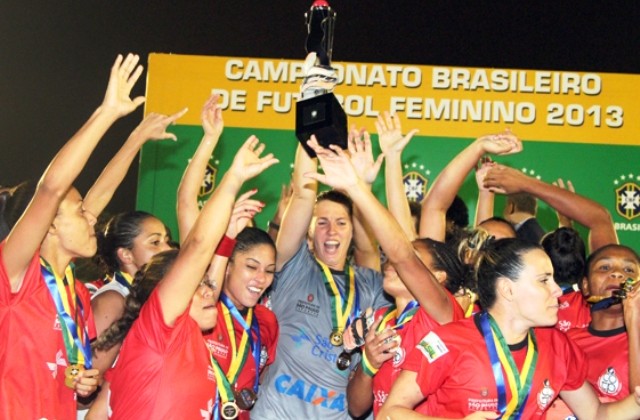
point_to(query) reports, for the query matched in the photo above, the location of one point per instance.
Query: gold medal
(229, 410)
(336, 338)
(70, 373)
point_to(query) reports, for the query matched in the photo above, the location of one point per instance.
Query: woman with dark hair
(531, 365)
(126, 243)
(516, 288)
(611, 341)
(165, 368)
(45, 316)
(245, 337)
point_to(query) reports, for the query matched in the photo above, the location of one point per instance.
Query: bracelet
(273, 225)
(367, 367)
(226, 246)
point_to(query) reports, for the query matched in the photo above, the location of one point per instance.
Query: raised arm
(297, 217)
(392, 143)
(187, 210)
(340, 174)
(177, 288)
(26, 236)
(486, 197)
(153, 127)
(444, 189)
(506, 180)
(366, 252)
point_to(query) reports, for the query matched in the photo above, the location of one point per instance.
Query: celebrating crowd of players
(345, 309)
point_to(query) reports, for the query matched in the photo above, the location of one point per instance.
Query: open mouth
(331, 246)
(255, 290)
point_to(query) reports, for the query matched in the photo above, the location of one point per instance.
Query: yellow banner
(440, 101)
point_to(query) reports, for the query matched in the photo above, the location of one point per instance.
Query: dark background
(55, 55)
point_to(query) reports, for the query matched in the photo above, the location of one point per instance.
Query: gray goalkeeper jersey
(304, 381)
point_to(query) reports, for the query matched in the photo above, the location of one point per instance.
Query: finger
(388, 120)
(135, 76)
(396, 122)
(378, 163)
(250, 143)
(570, 186)
(315, 176)
(406, 139)
(258, 151)
(178, 114)
(246, 195)
(138, 101)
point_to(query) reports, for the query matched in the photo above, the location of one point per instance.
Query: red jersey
(608, 370)
(220, 346)
(456, 377)
(162, 372)
(573, 312)
(410, 334)
(33, 357)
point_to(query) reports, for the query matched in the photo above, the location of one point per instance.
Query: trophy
(318, 112)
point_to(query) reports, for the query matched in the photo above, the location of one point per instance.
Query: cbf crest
(628, 197)
(415, 181)
(208, 182)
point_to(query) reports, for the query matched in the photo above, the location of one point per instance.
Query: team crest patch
(209, 180)
(432, 347)
(627, 197)
(545, 396)
(415, 181)
(608, 382)
(398, 358)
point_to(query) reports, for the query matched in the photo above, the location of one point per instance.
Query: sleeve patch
(432, 347)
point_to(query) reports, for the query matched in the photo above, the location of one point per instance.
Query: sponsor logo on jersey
(608, 382)
(217, 348)
(60, 361)
(310, 393)
(307, 308)
(264, 356)
(432, 347)
(627, 193)
(482, 404)
(545, 396)
(56, 324)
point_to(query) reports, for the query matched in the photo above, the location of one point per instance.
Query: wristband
(367, 367)
(273, 225)
(226, 246)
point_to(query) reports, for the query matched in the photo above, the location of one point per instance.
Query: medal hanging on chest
(244, 398)
(342, 308)
(70, 312)
(519, 382)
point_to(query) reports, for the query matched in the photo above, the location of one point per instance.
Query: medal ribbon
(389, 314)
(341, 308)
(123, 278)
(241, 352)
(74, 331)
(500, 356)
(407, 314)
(224, 392)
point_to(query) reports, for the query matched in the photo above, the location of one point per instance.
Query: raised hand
(362, 155)
(505, 180)
(211, 116)
(390, 134)
(124, 74)
(247, 163)
(154, 126)
(338, 171)
(244, 209)
(481, 171)
(504, 143)
(380, 346)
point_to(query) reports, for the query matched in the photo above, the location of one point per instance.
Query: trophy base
(324, 117)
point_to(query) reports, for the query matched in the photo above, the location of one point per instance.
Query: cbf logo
(208, 182)
(628, 196)
(415, 181)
